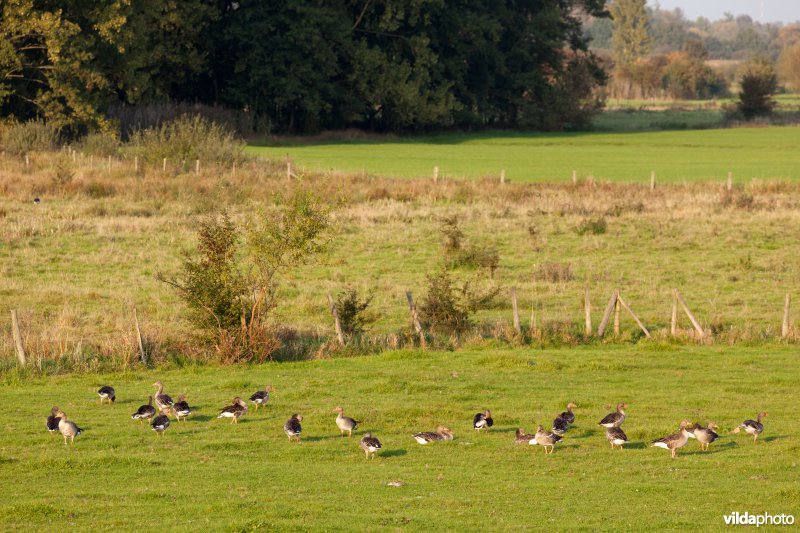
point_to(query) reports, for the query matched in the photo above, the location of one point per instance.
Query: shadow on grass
(772, 438)
(393, 453)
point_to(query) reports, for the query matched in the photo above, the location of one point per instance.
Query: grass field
(209, 474)
(676, 156)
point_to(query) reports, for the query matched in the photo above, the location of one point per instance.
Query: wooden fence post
(514, 307)
(785, 325)
(109, 163)
(288, 168)
(694, 321)
(164, 165)
(587, 312)
(652, 180)
(574, 177)
(601, 329)
(635, 318)
(136, 163)
(18, 338)
(415, 319)
(337, 324)
(673, 324)
(730, 180)
(616, 317)
(27, 162)
(197, 166)
(435, 174)
(139, 338)
(502, 177)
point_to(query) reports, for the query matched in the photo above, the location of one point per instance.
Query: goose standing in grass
(615, 419)
(752, 427)
(524, 438)
(676, 440)
(345, 423)
(181, 409)
(442, 433)
(370, 445)
(162, 400)
(546, 439)
(568, 415)
(67, 428)
(161, 422)
(704, 435)
(261, 397)
(234, 411)
(107, 393)
(616, 437)
(53, 419)
(483, 420)
(145, 412)
(292, 427)
(560, 425)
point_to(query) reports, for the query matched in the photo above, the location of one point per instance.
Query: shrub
(98, 190)
(451, 231)
(186, 139)
(595, 226)
(554, 272)
(471, 256)
(100, 144)
(758, 84)
(352, 311)
(448, 308)
(32, 136)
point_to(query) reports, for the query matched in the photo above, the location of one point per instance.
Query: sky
(760, 10)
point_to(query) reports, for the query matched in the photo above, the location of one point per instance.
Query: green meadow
(675, 156)
(209, 474)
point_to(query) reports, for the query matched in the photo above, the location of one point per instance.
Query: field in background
(209, 474)
(675, 156)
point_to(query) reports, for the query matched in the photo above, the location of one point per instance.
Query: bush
(758, 84)
(554, 272)
(99, 144)
(471, 256)
(32, 136)
(186, 139)
(447, 308)
(352, 311)
(595, 226)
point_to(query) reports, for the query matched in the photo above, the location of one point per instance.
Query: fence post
(607, 315)
(785, 325)
(136, 164)
(139, 337)
(27, 162)
(574, 177)
(616, 317)
(337, 324)
(652, 180)
(587, 312)
(415, 319)
(435, 174)
(673, 324)
(197, 166)
(694, 321)
(636, 318)
(517, 326)
(730, 180)
(502, 177)
(18, 338)
(164, 165)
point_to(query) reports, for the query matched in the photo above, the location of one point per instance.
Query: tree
(631, 40)
(789, 66)
(757, 85)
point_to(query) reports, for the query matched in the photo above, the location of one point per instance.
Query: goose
(66, 427)
(704, 435)
(442, 433)
(261, 397)
(614, 420)
(674, 441)
(545, 439)
(345, 423)
(292, 427)
(370, 445)
(234, 411)
(161, 422)
(145, 412)
(483, 420)
(524, 438)
(162, 400)
(616, 437)
(53, 419)
(107, 393)
(560, 425)
(752, 427)
(568, 415)
(181, 409)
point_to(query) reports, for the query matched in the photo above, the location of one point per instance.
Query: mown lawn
(676, 156)
(209, 474)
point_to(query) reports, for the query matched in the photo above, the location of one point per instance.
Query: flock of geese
(159, 417)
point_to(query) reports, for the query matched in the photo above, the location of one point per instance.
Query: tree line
(304, 65)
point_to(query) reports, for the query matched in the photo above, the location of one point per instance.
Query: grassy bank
(209, 474)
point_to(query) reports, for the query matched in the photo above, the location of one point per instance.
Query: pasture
(675, 156)
(208, 474)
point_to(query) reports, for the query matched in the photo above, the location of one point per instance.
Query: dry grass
(78, 262)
